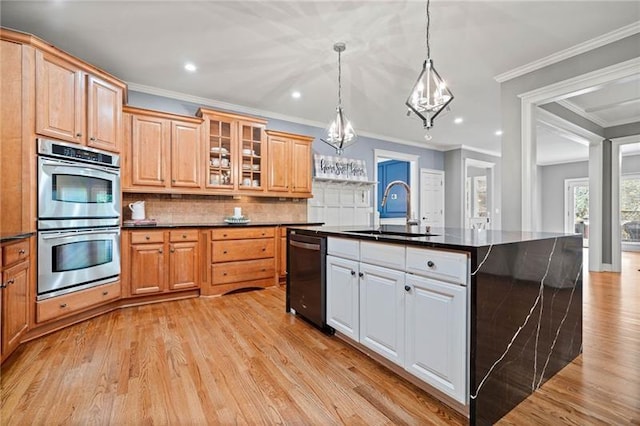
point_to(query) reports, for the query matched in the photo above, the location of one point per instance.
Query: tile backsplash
(213, 208)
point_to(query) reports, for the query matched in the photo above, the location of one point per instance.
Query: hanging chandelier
(430, 95)
(340, 133)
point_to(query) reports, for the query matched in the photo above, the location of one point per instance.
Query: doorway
(381, 156)
(576, 207)
(478, 194)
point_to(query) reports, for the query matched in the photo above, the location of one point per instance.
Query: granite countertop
(218, 224)
(454, 238)
(10, 236)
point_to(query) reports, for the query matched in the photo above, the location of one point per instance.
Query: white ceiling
(255, 53)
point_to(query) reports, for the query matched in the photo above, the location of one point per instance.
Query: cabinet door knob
(353, 273)
(160, 251)
(407, 288)
(264, 249)
(224, 274)
(184, 235)
(173, 181)
(147, 237)
(361, 274)
(430, 264)
(63, 305)
(173, 250)
(78, 135)
(92, 138)
(21, 251)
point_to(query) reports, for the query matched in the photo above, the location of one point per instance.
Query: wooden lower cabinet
(161, 261)
(14, 302)
(240, 258)
(62, 306)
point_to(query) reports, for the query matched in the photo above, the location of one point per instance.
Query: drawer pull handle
(184, 235)
(21, 251)
(63, 305)
(224, 274)
(430, 264)
(264, 269)
(407, 288)
(146, 237)
(264, 249)
(224, 252)
(224, 235)
(353, 273)
(104, 293)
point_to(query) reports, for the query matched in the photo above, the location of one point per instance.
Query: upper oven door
(76, 190)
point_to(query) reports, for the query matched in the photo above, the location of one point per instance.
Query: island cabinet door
(382, 311)
(342, 296)
(436, 319)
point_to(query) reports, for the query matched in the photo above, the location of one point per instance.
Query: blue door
(396, 205)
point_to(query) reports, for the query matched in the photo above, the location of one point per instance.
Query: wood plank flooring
(240, 359)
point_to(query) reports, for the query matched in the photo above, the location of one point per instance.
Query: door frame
(441, 174)
(568, 199)
(472, 162)
(413, 161)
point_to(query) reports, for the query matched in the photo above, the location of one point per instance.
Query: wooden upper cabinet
(186, 143)
(289, 166)
(235, 151)
(149, 139)
(162, 151)
(59, 98)
(104, 114)
(301, 166)
(278, 177)
(76, 106)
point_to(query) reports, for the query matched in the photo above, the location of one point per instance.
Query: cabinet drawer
(75, 302)
(228, 251)
(439, 264)
(16, 252)
(147, 237)
(239, 234)
(183, 235)
(343, 247)
(248, 270)
(388, 255)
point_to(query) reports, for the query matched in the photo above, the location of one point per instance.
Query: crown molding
(202, 101)
(472, 149)
(578, 49)
(582, 113)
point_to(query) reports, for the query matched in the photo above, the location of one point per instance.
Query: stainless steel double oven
(79, 208)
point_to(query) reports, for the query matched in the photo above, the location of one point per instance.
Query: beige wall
(212, 208)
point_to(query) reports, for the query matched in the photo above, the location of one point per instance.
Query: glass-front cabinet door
(252, 145)
(221, 152)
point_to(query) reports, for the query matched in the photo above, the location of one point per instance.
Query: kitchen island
(523, 305)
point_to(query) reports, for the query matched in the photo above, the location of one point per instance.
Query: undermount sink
(395, 233)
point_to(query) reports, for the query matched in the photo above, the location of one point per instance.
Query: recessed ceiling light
(296, 95)
(458, 120)
(190, 67)
(498, 132)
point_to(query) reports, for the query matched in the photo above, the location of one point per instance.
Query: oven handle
(74, 234)
(79, 166)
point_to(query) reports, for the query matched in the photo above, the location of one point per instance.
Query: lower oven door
(72, 260)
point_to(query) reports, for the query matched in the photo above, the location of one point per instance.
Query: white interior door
(432, 198)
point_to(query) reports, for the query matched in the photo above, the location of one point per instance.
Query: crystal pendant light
(430, 95)
(340, 133)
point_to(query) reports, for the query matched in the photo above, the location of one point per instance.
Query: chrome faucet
(410, 221)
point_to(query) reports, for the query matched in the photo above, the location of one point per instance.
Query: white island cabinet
(408, 304)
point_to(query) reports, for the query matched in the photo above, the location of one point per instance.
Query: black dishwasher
(306, 278)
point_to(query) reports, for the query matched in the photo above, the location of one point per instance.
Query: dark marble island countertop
(12, 236)
(524, 306)
(451, 238)
(217, 224)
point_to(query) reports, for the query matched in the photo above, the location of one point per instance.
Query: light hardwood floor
(241, 359)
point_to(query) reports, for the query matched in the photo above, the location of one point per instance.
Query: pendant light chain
(428, 22)
(339, 79)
